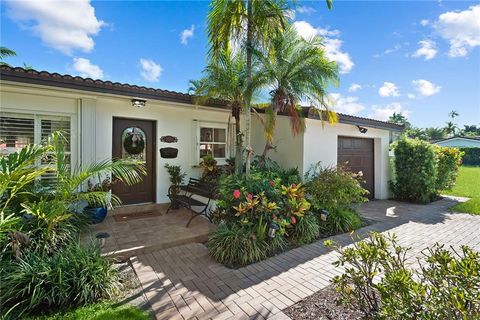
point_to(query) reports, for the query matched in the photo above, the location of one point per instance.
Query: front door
(135, 139)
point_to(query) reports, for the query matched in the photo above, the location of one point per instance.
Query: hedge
(472, 156)
(423, 170)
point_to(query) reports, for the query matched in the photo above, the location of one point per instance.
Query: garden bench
(195, 187)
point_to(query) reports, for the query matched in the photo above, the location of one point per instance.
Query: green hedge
(472, 156)
(416, 171)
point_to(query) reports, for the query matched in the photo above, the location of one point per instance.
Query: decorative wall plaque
(169, 139)
(168, 153)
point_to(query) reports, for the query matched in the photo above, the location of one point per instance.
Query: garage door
(357, 155)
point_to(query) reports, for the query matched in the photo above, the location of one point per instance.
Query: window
(212, 139)
(18, 130)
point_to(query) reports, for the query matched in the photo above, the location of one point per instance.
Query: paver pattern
(185, 283)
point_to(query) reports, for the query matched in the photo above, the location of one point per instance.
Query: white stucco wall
(459, 142)
(319, 143)
(289, 151)
(92, 121)
(171, 119)
(42, 102)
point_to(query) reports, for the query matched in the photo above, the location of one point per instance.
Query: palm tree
(452, 114)
(225, 78)
(248, 22)
(450, 128)
(435, 133)
(296, 70)
(5, 52)
(399, 118)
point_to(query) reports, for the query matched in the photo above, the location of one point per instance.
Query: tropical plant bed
(324, 304)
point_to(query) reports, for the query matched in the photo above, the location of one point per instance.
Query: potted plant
(96, 213)
(176, 180)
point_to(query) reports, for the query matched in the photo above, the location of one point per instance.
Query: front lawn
(100, 311)
(467, 185)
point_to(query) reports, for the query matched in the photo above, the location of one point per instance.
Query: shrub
(445, 286)
(306, 230)
(333, 187)
(415, 171)
(235, 245)
(76, 275)
(448, 161)
(471, 156)
(340, 221)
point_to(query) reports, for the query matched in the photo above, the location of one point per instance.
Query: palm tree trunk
(238, 146)
(248, 116)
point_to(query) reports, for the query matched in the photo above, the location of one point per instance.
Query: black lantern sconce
(272, 229)
(139, 102)
(324, 215)
(362, 129)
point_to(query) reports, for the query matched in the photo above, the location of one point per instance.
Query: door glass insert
(133, 144)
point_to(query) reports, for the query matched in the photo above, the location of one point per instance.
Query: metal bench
(195, 187)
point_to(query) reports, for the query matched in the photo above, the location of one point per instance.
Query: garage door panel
(357, 155)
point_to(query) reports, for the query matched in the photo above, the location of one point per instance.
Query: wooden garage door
(357, 155)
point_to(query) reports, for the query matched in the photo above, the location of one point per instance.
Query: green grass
(468, 185)
(100, 311)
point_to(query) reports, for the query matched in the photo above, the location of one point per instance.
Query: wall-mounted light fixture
(139, 102)
(362, 129)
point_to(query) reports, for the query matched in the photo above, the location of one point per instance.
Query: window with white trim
(18, 130)
(212, 138)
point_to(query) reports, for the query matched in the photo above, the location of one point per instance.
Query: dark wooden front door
(357, 154)
(133, 138)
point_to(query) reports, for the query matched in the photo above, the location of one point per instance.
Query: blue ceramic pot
(96, 215)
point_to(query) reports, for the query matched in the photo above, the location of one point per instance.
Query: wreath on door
(134, 143)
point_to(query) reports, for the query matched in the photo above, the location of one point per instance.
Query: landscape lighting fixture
(362, 129)
(139, 102)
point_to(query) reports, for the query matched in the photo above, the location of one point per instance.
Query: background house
(459, 142)
(98, 116)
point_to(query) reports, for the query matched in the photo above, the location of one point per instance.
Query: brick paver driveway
(185, 283)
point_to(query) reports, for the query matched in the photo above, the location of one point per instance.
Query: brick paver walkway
(185, 283)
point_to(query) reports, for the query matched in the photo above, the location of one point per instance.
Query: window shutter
(16, 131)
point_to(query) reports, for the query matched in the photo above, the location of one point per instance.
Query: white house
(100, 116)
(459, 142)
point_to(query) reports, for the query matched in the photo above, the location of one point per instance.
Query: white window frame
(213, 125)
(37, 122)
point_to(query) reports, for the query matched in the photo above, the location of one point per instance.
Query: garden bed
(323, 304)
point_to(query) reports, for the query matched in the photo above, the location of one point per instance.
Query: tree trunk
(248, 115)
(238, 147)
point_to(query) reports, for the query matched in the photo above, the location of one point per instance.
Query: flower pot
(96, 215)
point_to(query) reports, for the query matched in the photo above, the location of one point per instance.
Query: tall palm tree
(225, 78)
(399, 118)
(450, 128)
(296, 70)
(5, 52)
(248, 23)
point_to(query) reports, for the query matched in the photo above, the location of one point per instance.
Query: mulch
(323, 305)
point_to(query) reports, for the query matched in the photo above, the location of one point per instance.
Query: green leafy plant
(306, 230)
(448, 162)
(379, 281)
(332, 188)
(176, 178)
(416, 171)
(471, 156)
(340, 221)
(76, 275)
(235, 245)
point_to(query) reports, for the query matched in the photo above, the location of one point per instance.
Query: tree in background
(451, 127)
(434, 133)
(470, 131)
